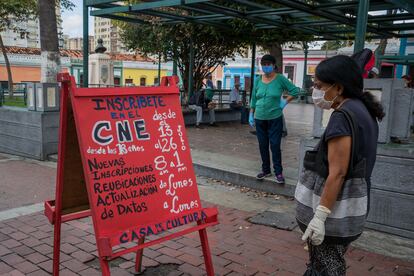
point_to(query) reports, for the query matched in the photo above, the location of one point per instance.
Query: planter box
(28, 133)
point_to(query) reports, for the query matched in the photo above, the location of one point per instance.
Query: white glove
(316, 228)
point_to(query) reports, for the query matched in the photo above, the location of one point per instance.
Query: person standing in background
(266, 112)
(235, 101)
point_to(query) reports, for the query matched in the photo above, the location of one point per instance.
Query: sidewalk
(230, 152)
(239, 247)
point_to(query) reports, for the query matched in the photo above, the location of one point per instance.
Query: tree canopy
(212, 44)
(13, 12)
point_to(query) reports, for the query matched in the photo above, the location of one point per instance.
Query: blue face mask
(267, 69)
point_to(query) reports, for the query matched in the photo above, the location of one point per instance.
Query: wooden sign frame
(72, 200)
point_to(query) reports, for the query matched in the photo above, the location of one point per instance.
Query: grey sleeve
(338, 126)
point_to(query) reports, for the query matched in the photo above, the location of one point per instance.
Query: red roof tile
(74, 54)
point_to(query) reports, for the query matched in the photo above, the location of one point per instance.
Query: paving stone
(86, 246)
(151, 253)
(5, 268)
(192, 270)
(36, 258)
(67, 272)
(39, 272)
(72, 240)
(192, 260)
(23, 250)
(74, 265)
(40, 235)
(27, 229)
(12, 259)
(90, 272)
(31, 242)
(43, 249)
(25, 267)
(242, 269)
(4, 250)
(4, 237)
(7, 230)
(147, 262)
(82, 256)
(164, 259)
(13, 273)
(127, 265)
(170, 252)
(47, 266)
(11, 243)
(67, 248)
(18, 236)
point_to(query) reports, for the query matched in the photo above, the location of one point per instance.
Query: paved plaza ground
(238, 246)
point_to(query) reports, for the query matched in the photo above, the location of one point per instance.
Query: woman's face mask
(318, 97)
(267, 69)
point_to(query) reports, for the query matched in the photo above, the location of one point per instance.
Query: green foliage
(334, 44)
(213, 42)
(211, 45)
(14, 12)
(65, 4)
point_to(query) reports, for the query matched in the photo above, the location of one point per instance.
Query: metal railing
(221, 97)
(19, 94)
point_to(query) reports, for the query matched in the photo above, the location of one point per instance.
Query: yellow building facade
(141, 74)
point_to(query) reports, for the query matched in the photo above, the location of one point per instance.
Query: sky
(72, 21)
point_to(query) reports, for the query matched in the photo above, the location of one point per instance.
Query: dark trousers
(235, 106)
(269, 132)
(329, 259)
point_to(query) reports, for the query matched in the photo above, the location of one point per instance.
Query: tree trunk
(48, 41)
(275, 49)
(9, 73)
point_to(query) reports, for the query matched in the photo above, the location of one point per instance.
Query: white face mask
(318, 97)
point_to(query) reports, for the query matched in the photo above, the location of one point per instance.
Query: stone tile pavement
(235, 140)
(238, 248)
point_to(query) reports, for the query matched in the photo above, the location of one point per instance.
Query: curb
(267, 185)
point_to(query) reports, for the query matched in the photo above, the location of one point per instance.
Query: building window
(236, 79)
(142, 81)
(219, 84)
(247, 82)
(227, 82)
(289, 70)
(129, 82)
(156, 81)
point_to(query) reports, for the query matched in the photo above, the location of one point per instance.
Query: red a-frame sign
(125, 160)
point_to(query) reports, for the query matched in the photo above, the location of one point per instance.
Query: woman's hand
(283, 103)
(251, 119)
(316, 228)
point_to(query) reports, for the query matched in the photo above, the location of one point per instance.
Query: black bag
(362, 58)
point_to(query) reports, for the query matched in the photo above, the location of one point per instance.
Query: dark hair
(345, 71)
(269, 58)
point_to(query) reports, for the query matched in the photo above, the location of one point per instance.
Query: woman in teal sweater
(266, 113)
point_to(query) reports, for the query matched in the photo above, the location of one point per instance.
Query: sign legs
(140, 252)
(104, 267)
(206, 252)
(56, 244)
